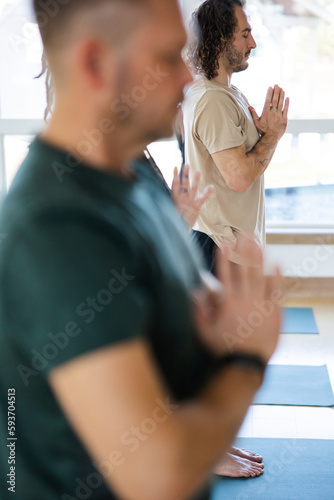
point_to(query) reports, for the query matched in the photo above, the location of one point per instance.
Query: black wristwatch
(247, 361)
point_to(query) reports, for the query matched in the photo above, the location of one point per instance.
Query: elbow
(175, 482)
(151, 489)
(168, 477)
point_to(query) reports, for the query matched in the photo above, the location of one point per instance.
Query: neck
(224, 76)
(90, 138)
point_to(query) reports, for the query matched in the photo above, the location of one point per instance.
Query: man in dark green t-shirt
(121, 374)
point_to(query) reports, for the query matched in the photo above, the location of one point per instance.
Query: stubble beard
(235, 59)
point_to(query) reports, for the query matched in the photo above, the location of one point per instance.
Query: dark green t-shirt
(89, 259)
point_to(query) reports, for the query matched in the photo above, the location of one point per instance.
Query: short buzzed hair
(213, 26)
(54, 17)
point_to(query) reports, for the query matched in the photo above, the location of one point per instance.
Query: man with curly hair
(224, 137)
(230, 145)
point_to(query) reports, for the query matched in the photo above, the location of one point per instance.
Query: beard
(235, 58)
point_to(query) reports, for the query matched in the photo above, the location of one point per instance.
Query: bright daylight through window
(295, 49)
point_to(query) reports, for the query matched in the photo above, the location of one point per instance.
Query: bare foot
(234, 466)
(250, 455)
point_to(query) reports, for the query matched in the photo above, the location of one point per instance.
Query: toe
(251, 455)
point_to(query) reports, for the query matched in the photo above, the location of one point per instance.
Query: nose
(252, 43)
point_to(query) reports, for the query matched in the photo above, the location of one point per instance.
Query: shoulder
(237, 95)
(217, 102)
(41, 216)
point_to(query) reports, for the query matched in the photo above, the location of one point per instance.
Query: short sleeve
(72, 287)
(217, 122)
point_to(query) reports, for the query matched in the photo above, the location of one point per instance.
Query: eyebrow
(247, 29)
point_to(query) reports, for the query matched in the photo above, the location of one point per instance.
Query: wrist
(251, 363)
(251, 379)
(271, 136)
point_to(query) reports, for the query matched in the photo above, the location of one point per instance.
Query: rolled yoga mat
(297, 386)
(295, 469)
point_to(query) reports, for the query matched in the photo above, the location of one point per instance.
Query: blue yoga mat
(296, 386)
(295, 469)
(298, 320)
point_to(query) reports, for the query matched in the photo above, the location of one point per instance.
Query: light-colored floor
(299, 421)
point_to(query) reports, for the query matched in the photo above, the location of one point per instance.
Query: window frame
(14, 127)
(276, 230)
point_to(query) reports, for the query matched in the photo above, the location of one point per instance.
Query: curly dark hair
(49, 87)
(213, 24)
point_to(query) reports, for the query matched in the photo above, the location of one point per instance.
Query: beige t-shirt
(216, 118)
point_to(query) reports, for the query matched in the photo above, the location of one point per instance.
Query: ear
(95, 63)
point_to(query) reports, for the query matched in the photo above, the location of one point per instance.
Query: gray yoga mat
(298, 320)
(296, 386)
(295, 469)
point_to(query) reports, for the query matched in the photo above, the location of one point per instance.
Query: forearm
(261, 155)
(198, 433)
(212, 422)
(166, 450)
(240, 169)
(250, 166)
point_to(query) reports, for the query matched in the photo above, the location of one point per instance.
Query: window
(22, 97)
(16, 148)
(295, 49)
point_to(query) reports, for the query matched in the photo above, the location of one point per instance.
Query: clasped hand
(274, 118)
